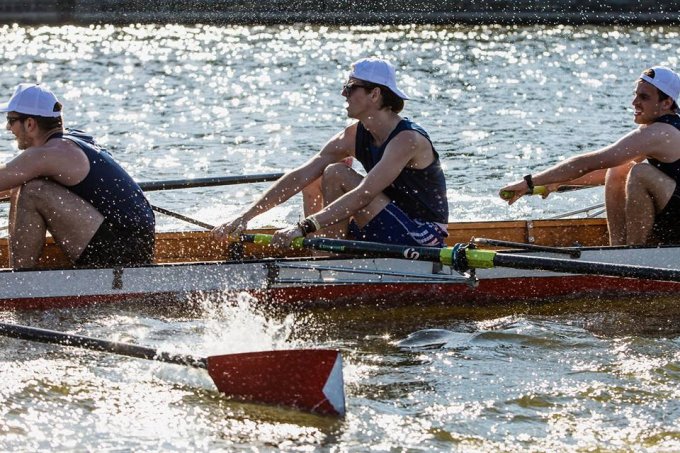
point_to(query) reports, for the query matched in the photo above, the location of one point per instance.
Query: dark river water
(175, 102)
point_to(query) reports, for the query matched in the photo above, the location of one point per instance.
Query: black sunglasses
(12, 119)
(349, 87)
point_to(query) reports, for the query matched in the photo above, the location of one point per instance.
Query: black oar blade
(306, 379)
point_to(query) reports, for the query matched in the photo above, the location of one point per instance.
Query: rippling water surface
(175, 102)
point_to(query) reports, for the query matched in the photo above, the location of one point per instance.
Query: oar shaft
(149, 186)
(97, 344)
(573, 252)
(583, 267)
(366, 249)
(176, 215)
(461, 258)
(370, 249)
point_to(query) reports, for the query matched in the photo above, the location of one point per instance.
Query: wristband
(530, 183)
(317, 225)
(307, 226)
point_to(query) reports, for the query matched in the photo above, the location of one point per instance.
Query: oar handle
(97, 344)
(542, 190)
(537, 190)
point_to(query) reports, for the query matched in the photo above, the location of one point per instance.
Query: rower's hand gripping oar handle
(537, 190)
(543, 190)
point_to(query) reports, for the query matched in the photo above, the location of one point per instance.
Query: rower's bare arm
(63, 164)
(654, 140)
(634, 146)
(400, 153)
(594, 178)
(338, 148)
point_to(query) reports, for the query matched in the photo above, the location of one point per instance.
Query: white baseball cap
(665, 80)
(377, 71)
(31, 99)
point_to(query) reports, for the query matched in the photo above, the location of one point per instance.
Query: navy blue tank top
(109, 188)
(420, 193)
(672, 169)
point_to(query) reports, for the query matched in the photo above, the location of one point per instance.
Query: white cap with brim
(31, 99)
(377, 71)
(665, 80)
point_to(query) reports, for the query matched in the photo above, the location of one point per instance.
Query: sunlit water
(176, 102)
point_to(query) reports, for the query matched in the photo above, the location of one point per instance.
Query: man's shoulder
(659, 130)
(410, 137)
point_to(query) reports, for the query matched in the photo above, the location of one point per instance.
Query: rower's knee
(617, 174)
(338, 174)
(313, 188)
(33, 190)
(642, 175)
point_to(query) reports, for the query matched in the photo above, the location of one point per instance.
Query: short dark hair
(389, 98)
(46, 123)
(662, 96)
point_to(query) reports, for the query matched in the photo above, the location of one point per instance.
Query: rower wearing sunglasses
(64, 183)
(401, 200)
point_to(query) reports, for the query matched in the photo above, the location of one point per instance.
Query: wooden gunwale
(195, 246)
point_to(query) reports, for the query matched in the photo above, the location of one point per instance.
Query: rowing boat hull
(294, 281)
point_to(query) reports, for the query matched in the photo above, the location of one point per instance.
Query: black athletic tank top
(672, 169)
(420, 193)
(109, 188)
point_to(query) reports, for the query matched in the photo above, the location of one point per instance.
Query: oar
(462, 257)
(306, 379)
(571, 251)
(149, 186)
(542, 190)
(176, 215)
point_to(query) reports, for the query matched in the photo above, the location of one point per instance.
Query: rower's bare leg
(615, 196)
(648, 192)
(338, 179)
(312, 198)
(312, 195)
(41, 205)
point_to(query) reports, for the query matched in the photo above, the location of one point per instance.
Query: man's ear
(667, 103)
(30, 123)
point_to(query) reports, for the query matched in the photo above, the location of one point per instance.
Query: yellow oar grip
(262, 239)
(508, 194)
(446, 255)
(266, 239)
(480, 259)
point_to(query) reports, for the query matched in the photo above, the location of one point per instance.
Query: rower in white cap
(64, 183)
(402, 199)
(642, 198)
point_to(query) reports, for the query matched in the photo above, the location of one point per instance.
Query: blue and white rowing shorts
(393, 226)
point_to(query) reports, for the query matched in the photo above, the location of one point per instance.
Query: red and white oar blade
(306, 379)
